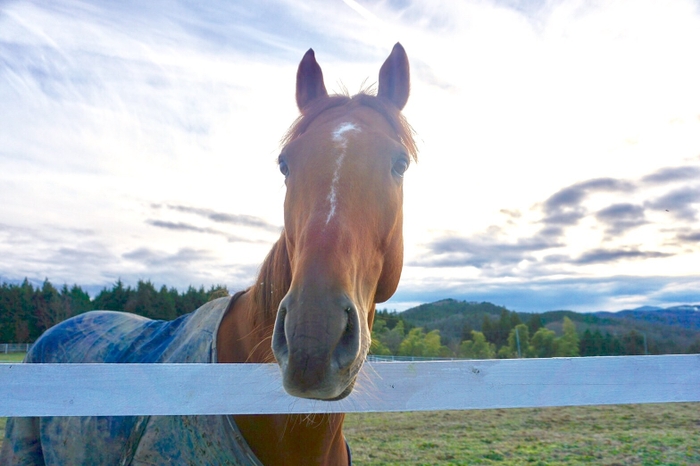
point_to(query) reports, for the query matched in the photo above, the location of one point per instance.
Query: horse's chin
(346, 392)
(322, 395)
(333, 389)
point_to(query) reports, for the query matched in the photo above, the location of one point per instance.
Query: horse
(310, 310)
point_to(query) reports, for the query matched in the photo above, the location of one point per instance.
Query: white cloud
(116, 107)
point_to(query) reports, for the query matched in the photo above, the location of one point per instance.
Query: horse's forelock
(311, 112)
(382, 106)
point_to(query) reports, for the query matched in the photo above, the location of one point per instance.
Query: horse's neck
(245, 336)
(295, 439)
(245, 332)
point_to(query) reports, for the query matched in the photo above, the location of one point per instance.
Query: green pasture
(11, 357)
(662, 434)
(666, 434)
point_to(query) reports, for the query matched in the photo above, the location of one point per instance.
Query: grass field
(657, 434)
(667, 434)
(664, 434)
(11, 357)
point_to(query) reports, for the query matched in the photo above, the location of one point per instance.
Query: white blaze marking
(341, 143)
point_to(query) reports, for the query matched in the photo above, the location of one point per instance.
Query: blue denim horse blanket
(105, 336)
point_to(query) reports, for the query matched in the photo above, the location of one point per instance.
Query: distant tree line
(27, 311)
(506, 337)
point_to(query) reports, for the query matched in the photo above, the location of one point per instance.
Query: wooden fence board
(160, 389)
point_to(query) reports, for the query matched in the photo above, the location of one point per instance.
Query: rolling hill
(667, 330)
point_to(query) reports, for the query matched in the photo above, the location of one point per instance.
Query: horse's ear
(309, 81)
(394, 78)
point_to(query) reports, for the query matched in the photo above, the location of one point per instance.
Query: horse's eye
(400, 167)
(284, 168)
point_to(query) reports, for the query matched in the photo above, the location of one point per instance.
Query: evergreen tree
(192, 299)
(534, 323)
(597, 343)
(633, 343)
(115, 299)
(591, 343)
(487, 328)
(467, 332)
(586, 347)
(76, 299)
(48, 307)
(165, 304)
(9, 305)
(695, 347)
(142, 301)
(514, 320)
(26, 328)
(611, 345)
(503, 329)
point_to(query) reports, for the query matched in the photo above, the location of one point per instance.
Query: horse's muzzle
(317, 343)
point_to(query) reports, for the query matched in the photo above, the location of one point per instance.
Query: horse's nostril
(348, 347)
(279, 338)
(348, 321)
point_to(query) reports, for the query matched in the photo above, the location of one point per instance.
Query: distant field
(667, 434)
(11, 357)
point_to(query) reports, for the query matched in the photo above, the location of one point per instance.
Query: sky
(559, 163)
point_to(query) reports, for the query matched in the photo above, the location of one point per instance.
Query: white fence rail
(6, 348)
(161, 389)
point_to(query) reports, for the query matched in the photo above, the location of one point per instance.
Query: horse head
(343, 163)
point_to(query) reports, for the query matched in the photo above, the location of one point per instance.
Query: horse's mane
(382, 106)
(273, 281)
